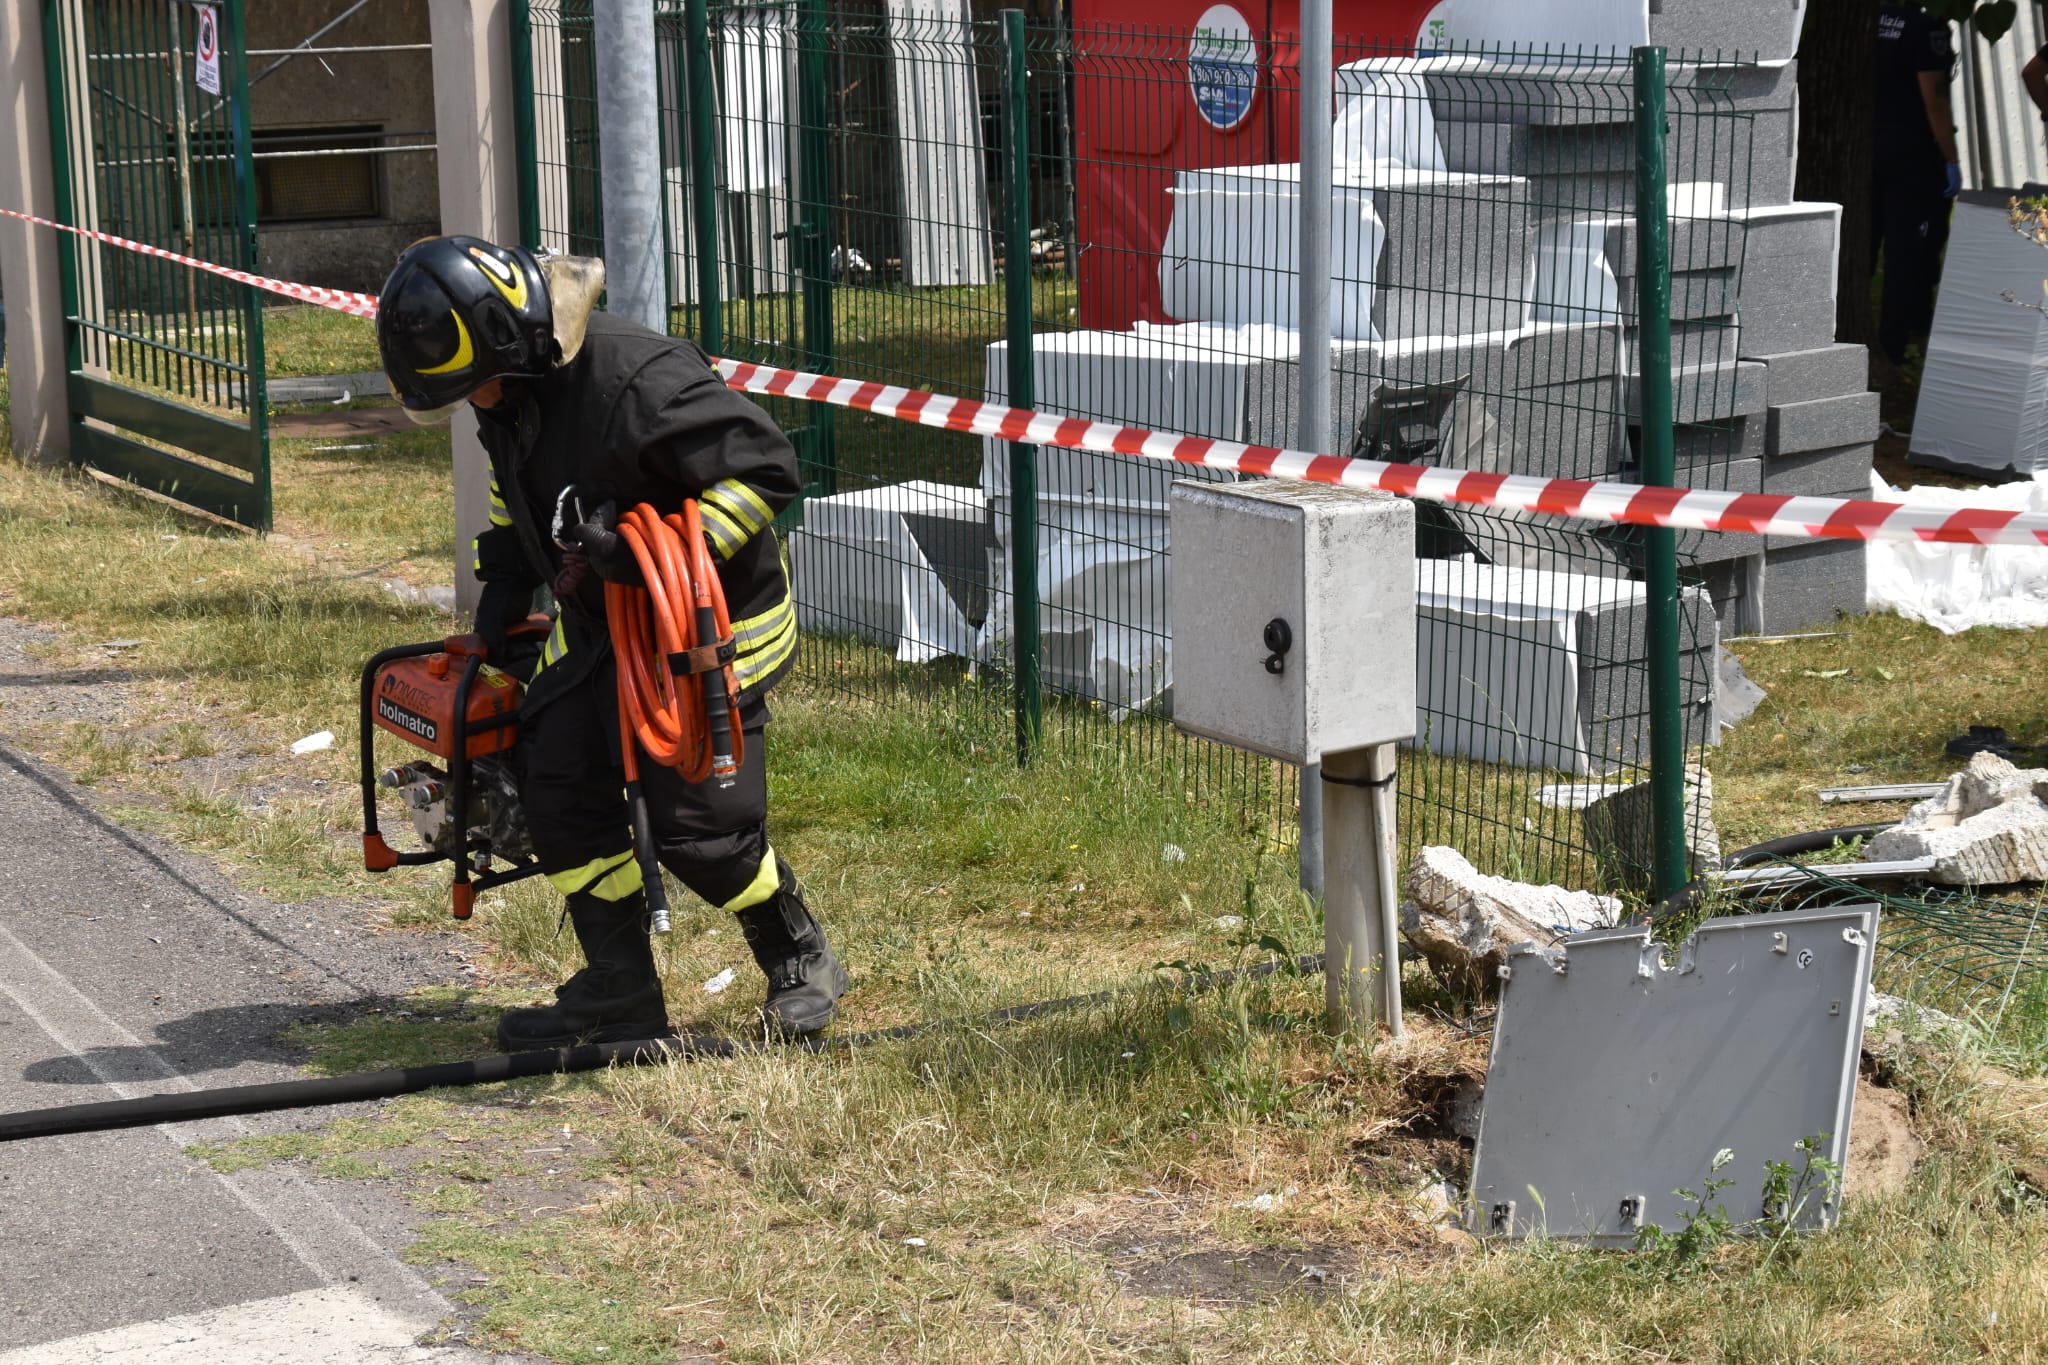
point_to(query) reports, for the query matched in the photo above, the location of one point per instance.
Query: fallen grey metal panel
(1898, 867)
(1896, 791)
(938, 141)
(1615, 1078)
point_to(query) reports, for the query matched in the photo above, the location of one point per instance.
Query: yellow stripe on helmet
(513, 288)
(465, 353)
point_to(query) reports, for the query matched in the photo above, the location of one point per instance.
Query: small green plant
(1790, 1189)
(1705, 1227)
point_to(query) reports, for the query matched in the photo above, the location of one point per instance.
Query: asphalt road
(126, 969)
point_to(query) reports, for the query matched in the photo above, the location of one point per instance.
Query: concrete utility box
(1293, 615)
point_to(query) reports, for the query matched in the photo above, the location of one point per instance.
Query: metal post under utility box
(1293, 614)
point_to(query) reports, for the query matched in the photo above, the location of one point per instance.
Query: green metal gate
(166, 386)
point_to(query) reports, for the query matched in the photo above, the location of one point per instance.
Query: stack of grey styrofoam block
(1806, 429)
(1570, 130)
(1764, 399)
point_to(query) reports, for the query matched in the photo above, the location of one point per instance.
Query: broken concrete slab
(1464, 921)
(1621, 833)
(1989, 827)
(1885, 1013)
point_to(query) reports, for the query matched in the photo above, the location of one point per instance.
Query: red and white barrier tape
(1679, 508)
(340, 300)
(1692, 509)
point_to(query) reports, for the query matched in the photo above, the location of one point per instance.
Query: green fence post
(815, 230)
(525, 140)
(1017, 299)
(235, 45)
(702, 112)
(1669, 872)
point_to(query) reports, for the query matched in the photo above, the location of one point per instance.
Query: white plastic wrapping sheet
(1984, 389)
(1384, 120)
(1956, 587)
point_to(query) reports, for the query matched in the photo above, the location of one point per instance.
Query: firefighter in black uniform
(582, 415)
(1914, 172)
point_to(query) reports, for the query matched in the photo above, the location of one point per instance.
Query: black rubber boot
(805, 979)
(616, 997)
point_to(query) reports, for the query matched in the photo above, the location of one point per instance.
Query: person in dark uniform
(1915, 171)
(584, 415)
(2034, 75)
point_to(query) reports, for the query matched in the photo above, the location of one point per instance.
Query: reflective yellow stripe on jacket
(500, 516)
(762, 643)
(733, 514)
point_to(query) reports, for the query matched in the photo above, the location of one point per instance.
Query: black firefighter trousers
(715, 840)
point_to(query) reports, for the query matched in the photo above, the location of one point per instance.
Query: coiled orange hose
(681, 608)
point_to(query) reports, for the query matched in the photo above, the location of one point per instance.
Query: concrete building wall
(394, 90)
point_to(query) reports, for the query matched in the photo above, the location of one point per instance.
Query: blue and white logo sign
(1223, 68)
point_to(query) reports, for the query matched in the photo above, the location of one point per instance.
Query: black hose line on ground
(1784, 846)
(226, 1101)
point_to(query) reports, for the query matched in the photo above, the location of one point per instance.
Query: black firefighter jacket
(638, 417)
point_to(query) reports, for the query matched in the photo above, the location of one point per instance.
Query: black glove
(502, 606)
(597, 543)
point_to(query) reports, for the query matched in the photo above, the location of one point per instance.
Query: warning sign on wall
(206, 51)
(1223, 67)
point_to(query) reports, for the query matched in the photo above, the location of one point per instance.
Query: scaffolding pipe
(1312, 199)
(629, 160)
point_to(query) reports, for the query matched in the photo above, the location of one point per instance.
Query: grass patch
(377, 503)
(301, 339)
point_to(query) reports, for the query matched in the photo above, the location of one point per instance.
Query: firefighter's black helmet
(458, 312)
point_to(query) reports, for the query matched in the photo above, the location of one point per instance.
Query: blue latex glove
(1955, 179)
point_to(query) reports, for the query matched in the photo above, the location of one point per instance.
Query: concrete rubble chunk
(1464, 921)
(1883, 1012)
(1989, 827)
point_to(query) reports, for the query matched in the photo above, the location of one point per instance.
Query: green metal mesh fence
(852, 167)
